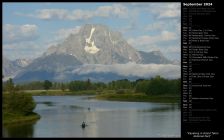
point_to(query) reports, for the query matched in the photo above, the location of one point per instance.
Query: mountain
(65, 77)
(48, 67)
(176, 62)
(53, 63)
(98, 44)
(8, 67)
(12, 67)
(22, 62)
(155, 57)
(95, 45)
(103, 73)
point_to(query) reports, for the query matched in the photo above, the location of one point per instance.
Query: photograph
(91, 69)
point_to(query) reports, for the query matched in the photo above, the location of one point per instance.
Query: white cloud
(133, 69)
(119, 10)
(149, 40)
(167, 42)
(19, 33)
(160, 10)
(154, 26)
(60, 35)
(166, 36)
(178, 27)
(79, 15)
(29, 49)
(165, 10)
(172, 52)
(104, 11)
(172, 49)
(65, 32)
(51, 13)
(160, 25)
(23, 50)
(116, 10)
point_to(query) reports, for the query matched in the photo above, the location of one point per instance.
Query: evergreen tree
(10, 86)
(62, 86)
(47, 84)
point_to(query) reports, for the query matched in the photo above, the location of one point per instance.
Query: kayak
(83, 125)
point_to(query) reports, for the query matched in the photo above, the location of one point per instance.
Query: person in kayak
(83, 124)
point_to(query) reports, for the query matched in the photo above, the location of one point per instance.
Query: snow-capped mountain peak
(22, 62)
(90, 46)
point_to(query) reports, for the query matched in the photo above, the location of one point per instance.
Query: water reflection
(72, 107)
(47, 103)
(171, 107)
(25, 130)
(61, 116)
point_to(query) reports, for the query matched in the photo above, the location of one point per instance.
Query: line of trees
(154, 86)
(9, 86)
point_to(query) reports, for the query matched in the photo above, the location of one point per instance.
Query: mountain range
(10, 68)
(94, 47)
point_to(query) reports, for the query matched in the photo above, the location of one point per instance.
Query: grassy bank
(11, 118)
(140, 97)
(59, 92)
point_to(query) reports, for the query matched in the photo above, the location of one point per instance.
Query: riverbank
(10, 118)
(59, 92)
(140, 97)
(18, 108)
(111, 95)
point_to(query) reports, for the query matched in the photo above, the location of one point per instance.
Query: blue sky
(30, 28)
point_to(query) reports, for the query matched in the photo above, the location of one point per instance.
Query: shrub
(120, 91)
(18, 103)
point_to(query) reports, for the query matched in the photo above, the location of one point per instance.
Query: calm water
(61, 116)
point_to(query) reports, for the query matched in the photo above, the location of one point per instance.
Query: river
(61, 116)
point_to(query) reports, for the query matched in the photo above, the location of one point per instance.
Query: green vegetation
(79, 85)
(18, 103)
(159, 86)
(17, 107)
(63, 87)
(11, 118)
(142, 86)
(156, 89)
(59, 92)
(9, 86)
(47, 84)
